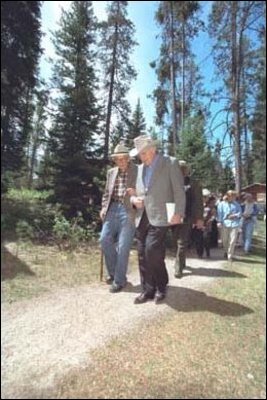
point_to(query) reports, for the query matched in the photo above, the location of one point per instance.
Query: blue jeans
(248, 228)
(116, 239)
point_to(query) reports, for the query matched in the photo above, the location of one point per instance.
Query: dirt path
(44, 337)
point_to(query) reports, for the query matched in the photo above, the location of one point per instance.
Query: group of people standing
(134, 204)
(236, 218)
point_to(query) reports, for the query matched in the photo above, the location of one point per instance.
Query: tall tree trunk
(183, 76)
(111, 89)
(175, 138)
(5, 121)
(236, 100)
(110, 95)
(33, 158)
(246, 163)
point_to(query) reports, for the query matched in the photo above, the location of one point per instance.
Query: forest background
(57, 134)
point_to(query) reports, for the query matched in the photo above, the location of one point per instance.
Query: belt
(117, 201)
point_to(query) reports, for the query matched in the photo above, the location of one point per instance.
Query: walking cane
(101, 265)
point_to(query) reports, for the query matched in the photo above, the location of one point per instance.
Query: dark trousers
(202, 241)
(151, 256)
(181, 237)
(214, 234)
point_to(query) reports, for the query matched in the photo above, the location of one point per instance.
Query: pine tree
(176, 70)
(20, 51)
(75, 126)
(196, 151)
(116, 45)
(137, 125)
(258, 122)
(230, 25)
(119, 133)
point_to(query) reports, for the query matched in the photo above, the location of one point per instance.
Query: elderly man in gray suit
(118, 215)
(159, 180)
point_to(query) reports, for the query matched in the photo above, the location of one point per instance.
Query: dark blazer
(194, 200)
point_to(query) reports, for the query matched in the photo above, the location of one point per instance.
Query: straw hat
(142, 143)
(205, 192)
(183, 163)
(120, 150)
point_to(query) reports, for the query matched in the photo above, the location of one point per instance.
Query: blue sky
(142, 14)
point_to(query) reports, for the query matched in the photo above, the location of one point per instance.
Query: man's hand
(199, 224)
(231, 216)
(176, 219)
(138, 201)
(102, 214)
(131, 191)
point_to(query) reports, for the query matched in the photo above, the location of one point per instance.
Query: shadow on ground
(213, 272)
(187, 300)
(11, 265)
(215, 254)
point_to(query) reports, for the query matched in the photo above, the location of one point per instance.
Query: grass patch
(30, 270)
(211, 344)
(205, 353)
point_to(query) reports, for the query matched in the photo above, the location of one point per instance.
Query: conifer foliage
(20, 51)
(75, 124)
(116, 46)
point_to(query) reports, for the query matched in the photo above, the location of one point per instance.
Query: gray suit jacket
(110, 182)
(167, 185)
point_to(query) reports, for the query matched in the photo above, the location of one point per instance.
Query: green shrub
(24, 231)
(69, 234)
(28, 194)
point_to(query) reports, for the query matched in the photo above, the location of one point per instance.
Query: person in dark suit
(118, 216)
(159, 181)
(193, 218)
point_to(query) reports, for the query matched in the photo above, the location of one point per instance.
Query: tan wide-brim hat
(120, 150)
(183, 163)
(142, 143)
(205, 192)
(184, 166)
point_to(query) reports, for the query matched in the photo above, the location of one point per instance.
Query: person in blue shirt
(249, 219)
(229, 219)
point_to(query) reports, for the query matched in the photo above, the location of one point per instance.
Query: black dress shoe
(178, 274)
(159, 297)
(143, 297)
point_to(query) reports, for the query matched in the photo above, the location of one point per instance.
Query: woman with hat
(118, 215)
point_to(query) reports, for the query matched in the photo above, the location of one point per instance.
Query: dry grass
(192, 352)
(186, 355)
(30, 270)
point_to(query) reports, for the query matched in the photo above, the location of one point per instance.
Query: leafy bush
(28, 194)
(47, 221)
(70, 233)
(24, 231)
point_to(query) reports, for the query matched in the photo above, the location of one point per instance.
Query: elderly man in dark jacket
(193, 218)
